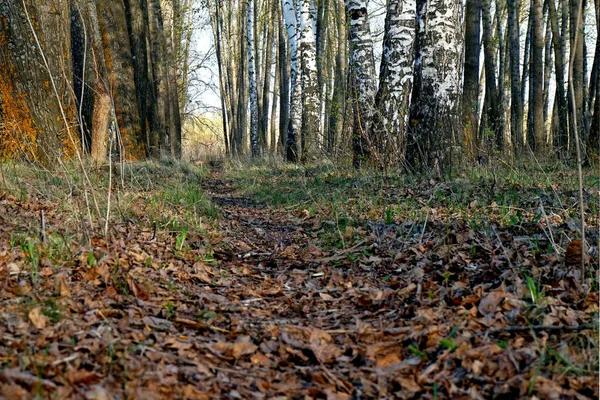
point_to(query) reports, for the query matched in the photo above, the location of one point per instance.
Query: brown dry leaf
(192, 393)
(64, 287)
(322, 346)
(490, 303)
(81, 376)
(243, 346)
(138, 290)
(387, 359)
(384, 354)
(260, 359)
(38, 319)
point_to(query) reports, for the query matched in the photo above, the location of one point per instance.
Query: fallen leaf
(38, 319)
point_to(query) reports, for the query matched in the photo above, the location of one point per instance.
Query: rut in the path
(263, 234)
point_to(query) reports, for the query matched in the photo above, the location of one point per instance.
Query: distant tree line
(297, 78)
(455, 83)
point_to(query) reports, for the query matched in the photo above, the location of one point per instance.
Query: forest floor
(276, 281)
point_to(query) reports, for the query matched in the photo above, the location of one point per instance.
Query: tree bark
(470, 100)
(537, 132)
(435, 88)
(339, 85)
(284, 70)
(493, 108)
(516, 104)
(395, 79)
(362, 70)
(561, 131)
(293, 131)
(310, 91)
(31, 109)
(254, 145)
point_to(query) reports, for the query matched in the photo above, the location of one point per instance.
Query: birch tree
(362, 71)
(436, 84)
(252, 79)
(310, 90)
(290, 20)
(395, 78)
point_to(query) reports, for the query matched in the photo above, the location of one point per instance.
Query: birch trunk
(435, 88)
(362, 71)
(254, 146)
(310, 91)
(290, 19)
(395, 79)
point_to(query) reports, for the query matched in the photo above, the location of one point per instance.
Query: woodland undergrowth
(255, 279)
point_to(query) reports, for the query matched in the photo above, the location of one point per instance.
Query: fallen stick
(552, 328)
(16, 375)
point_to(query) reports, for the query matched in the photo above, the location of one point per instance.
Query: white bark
(436, 81)
(310, 92)
(362, 71)
(252, 81)
(291, 24)
(441, 55)
(396, 74)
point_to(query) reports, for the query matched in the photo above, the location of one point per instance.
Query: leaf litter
(262, 305)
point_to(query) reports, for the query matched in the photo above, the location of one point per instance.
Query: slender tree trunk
(274, 142)
(254, 145)
(291, 23)
(594, 138)
(578, 73)
(561, 132)
(284, 98)
(493, 107)
(547, 66)
(159, 73)
(516, 103)
(501, 121)
(170, 12)
(536, 131)
(395, 78)
(242, 84)
(470, 100)
(136, 28)
(339, 89)
(310, 91)
(216, 26)
(362, 68)
(263, 122)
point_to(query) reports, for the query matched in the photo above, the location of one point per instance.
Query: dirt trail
(258, 309)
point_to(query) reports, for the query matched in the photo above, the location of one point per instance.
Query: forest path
(262, 302)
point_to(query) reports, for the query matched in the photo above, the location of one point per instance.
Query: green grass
(480, 197)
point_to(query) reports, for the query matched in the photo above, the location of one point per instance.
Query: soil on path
(258, 309)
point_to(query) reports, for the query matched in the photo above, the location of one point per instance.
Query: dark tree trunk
(284, 70)
(536, 131)
(118, 58)
(137, 22)
(493, 108)
(516, 104)
(561, 131)
(33, 112)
